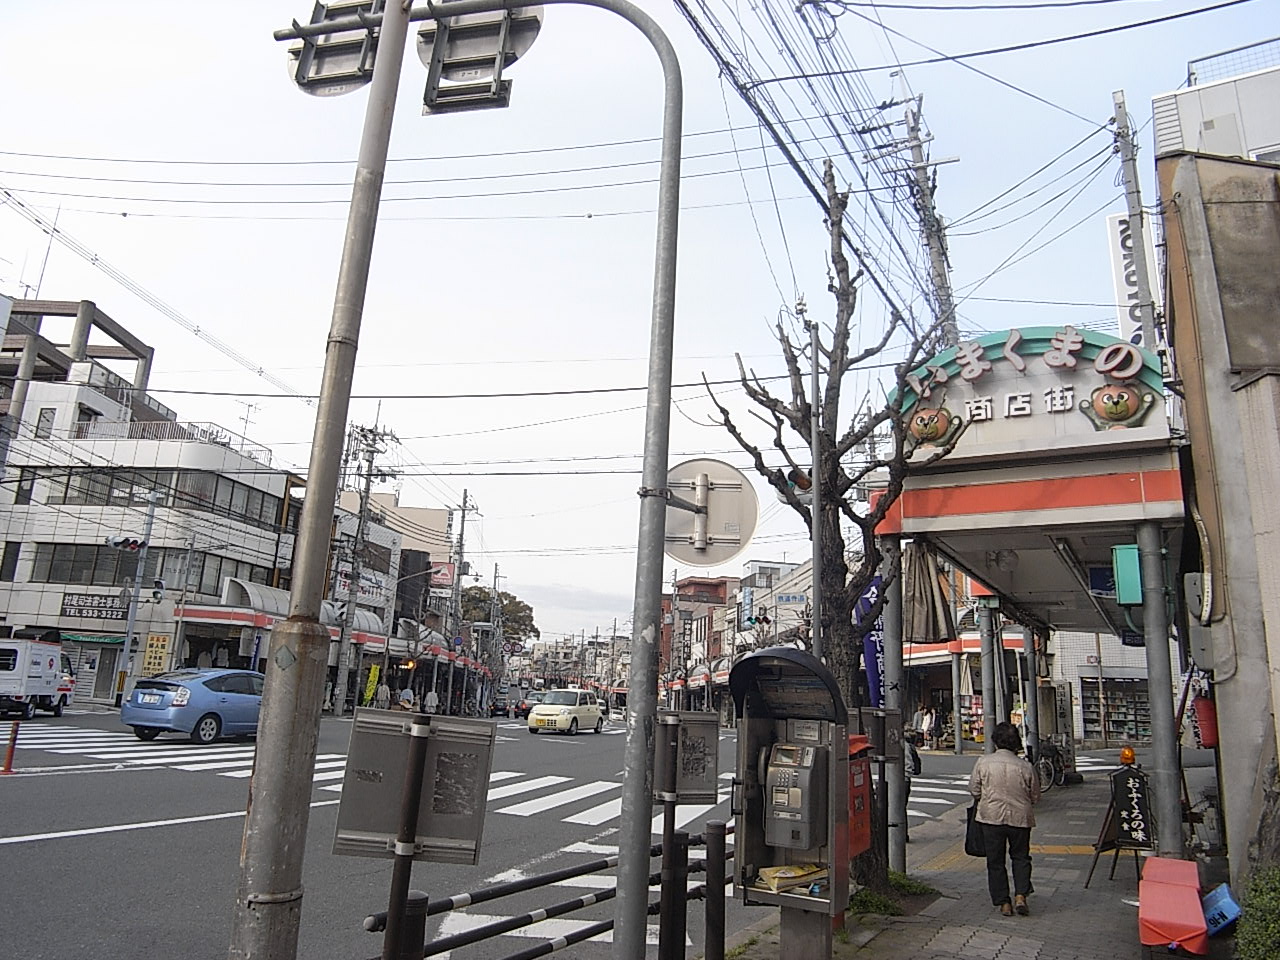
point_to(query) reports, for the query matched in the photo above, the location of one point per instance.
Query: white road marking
(959, 793)
(456, 922)
(600, 849)
(511, 789)
(609, 810)
(553, 800)
(126, 827)
(945, 803)
(245, 756)
(323, 761)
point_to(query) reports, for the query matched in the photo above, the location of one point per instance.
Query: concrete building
(90, 453)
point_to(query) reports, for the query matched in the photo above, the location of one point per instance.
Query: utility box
(1128, 572)
(791, 791)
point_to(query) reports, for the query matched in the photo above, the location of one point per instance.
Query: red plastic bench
(1169, 911)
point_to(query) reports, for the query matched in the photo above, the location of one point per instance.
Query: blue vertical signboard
(873, 642)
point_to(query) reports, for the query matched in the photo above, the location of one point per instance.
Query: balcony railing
(209, 433)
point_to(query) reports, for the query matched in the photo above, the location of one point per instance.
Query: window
(219, 684)
(195, 489)
(256, 683)
(240, 500)
(40, 569)
(26, 485)
(82, 558)
(270, 514)
(107, 567)
(60, 569)
(211, 577)
(8, 659)
(222, 495)
(89, 487)
(239, 683)
(9, 562)
(377, 557)
(44, 423)
(253, 505)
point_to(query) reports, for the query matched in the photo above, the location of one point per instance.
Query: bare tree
(872, 448)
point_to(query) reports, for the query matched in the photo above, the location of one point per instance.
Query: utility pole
(815, 475)
(126, 670)
(931, 226)
(455, 611)
(371, 440)
(1137, 223)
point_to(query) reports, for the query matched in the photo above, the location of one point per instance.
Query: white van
(34, 675)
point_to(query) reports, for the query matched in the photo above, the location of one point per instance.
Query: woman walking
(1006, 787)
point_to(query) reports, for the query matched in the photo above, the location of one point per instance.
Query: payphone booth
(791, 795)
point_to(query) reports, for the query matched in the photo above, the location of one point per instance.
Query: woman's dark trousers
(997, 836)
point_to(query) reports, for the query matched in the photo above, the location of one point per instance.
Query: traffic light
(157, 590)
(760, 616)
(128, 544)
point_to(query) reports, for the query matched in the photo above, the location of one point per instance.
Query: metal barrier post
(714, 948)
(410, 798)
(680, 874)
(669, 727)
(414, 932)
(13, 745)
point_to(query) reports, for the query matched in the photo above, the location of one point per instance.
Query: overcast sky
(537, 276)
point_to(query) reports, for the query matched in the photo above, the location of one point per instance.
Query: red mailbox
(860, 794)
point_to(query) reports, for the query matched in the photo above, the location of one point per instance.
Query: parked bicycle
(1051, 768)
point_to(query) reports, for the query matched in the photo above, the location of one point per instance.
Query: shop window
(9, 562)
(44, 422)
(26, 485)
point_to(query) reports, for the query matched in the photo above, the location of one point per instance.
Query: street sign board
(728, 511)
(336, 63)
(455, 780)
(466, 55)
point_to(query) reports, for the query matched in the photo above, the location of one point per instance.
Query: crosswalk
(512, 793)
(931, 797)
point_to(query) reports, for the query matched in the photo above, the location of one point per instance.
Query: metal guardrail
(713, 865)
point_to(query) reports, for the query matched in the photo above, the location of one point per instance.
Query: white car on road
(567, 711)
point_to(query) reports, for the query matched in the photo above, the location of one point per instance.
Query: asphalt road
(115, 849)
(112, 848)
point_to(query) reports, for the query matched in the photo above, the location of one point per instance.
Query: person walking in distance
(431, 702)
(1006, 788)
(927, 720)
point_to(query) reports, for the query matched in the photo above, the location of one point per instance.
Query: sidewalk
(1067, 922)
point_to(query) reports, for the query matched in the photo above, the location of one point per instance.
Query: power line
(1041, 5)
(146, 296)
(991, 51)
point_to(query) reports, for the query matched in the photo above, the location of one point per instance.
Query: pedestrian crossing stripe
(530, 796)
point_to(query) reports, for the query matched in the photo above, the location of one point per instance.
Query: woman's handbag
(974, 845)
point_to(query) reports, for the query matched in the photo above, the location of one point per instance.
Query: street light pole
(268, 907)
(269, 896)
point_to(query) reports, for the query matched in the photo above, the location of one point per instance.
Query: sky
(514, 252)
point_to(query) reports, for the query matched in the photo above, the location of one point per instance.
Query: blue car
(204, 703)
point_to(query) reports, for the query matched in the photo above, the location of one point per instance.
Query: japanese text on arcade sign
(1134, 830)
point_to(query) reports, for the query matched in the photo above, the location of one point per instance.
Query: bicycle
(1050, 767)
